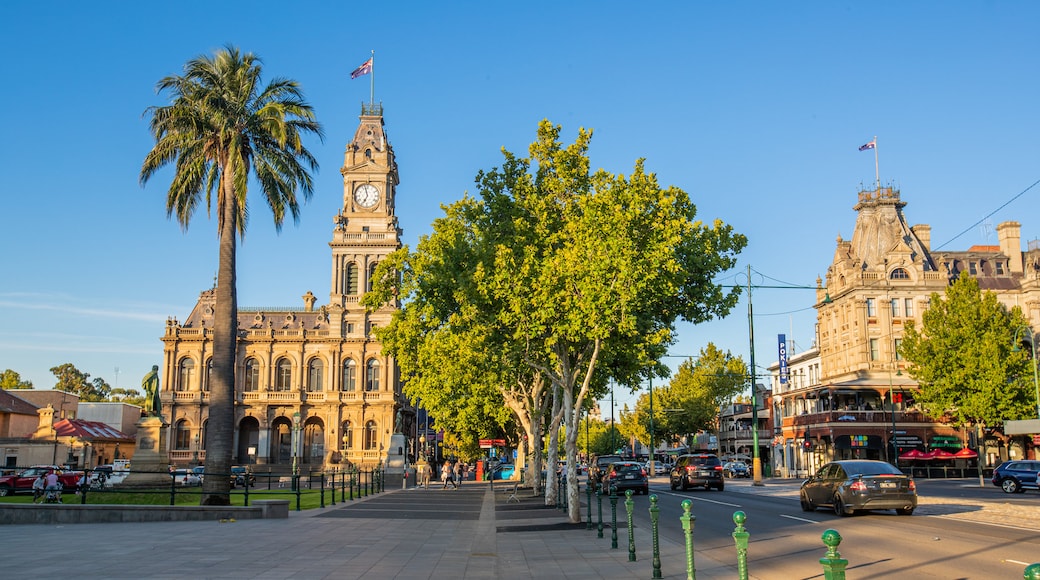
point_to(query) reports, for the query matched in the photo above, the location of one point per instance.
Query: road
(959, 531)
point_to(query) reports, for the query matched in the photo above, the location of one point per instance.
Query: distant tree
(71, 379)
(12, 380)
(962, 357)
(129, 396)
(223, 127)
(691, 401)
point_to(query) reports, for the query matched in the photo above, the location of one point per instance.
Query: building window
(897, 344)
(349, 375)
(252, 379)
(370, 436)
(182, 436)
(348, 436)
(908, 307)
(372, 376)
(184, 376)
(895, 307)
(209, 375)
(371, 276)
(873, 349)
(899, 274)
(314, 374)
(999, 266)
(973, 268)
(871, 307)
(283, 375)
(350, 279)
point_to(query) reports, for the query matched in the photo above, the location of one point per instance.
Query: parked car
(624, 475)
(241, 474)
(200, 471)
(848, 486)
(697, 470)
(736, 469)
(1017, 476)
(185, 477)
(23, 481)
(660, 467)
(599, 466)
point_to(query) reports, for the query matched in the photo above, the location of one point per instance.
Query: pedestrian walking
(445, 475)
(458, 474)
(39, 484)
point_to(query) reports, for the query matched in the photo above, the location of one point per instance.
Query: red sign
(489, 443)
(1036, 440)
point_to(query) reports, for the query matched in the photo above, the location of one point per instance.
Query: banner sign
(489, 443)
(781, 343)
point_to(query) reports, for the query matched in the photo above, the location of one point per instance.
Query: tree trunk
(221, 425)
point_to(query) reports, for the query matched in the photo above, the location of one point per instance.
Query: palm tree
(220, 126)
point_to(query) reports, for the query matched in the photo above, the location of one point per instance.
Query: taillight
(690, 469)
(611, 476)
(643, 471)
(718, 468)
(913, 486)
(858, 486)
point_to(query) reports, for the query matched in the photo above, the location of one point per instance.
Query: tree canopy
(963, 358)
(12, 380)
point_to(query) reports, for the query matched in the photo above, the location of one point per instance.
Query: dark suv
(1016, 476)
(240, 476)
(700, 469)
(599, 467)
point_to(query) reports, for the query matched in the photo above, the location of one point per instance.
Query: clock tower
(366, 229)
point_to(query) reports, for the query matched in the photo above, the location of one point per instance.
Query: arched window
(182, 435)
(371, 276)
(315, 371)
(185, 373)
(350, 279)
(209, 375)
(372, 376)
(349, 375)
(899, 274)
(370, 436)
(348, 436)
(283, 375)
(252, 379)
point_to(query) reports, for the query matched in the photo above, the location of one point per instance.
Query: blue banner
(781, 343)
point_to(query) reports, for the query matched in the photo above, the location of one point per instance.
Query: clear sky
(757, 109)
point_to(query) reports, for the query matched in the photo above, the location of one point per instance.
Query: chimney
(1010, 236)
(308, 301)
(923, 233)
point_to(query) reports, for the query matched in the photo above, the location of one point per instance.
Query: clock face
(366, 195)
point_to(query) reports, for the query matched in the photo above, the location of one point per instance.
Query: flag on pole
(364, 69)
(871, 145)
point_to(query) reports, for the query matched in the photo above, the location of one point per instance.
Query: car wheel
(672, 485)
(905, 511)
(839, 507)
(721, 486)
(807, 505)
(646, 490)
(1010, 485)
(684, 486)
(5, 491)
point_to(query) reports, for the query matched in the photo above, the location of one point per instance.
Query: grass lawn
(309, 498)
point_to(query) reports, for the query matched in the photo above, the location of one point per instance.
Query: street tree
(222, 127)
(963, 360)
(10, 380)
(690, 402)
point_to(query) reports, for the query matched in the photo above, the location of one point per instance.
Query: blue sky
(756, 109)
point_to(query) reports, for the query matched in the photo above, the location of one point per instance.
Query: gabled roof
(12, 404)
(89, 430)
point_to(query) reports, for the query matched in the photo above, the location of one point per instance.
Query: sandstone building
(312, 381)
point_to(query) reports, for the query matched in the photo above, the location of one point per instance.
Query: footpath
(472, 533)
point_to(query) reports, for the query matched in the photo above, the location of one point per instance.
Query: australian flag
(870, 145)
(364, 69)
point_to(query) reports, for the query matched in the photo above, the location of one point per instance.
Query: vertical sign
(781, 343)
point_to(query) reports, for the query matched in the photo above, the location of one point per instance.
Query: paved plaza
(471, 533)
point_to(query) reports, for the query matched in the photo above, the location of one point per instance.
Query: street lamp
(756, 462)
(422, 446)
(295, 447)
(195, 456)
(1032, 354)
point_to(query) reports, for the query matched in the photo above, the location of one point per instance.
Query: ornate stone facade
(311, 382)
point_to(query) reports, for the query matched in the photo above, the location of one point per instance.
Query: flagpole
(877, 175)
(372, 85)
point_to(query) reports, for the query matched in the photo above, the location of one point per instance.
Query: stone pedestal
(396, 461)
(150, 464)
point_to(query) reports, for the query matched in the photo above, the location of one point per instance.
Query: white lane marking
(1017, 562)
(976, 522)
(798, 519)
(691, 498)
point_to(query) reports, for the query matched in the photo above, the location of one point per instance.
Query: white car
(660, 467)
(186, 477)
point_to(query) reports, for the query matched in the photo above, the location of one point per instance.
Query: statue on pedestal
(150, 384)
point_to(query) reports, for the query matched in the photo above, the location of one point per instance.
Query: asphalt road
(959, 531)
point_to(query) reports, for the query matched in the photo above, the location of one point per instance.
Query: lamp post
(1032, 354)
(756, 462)
(422, 446)
(653, 463)
(195, 456)
(295, 447)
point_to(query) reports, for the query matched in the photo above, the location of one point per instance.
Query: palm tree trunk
(221, 425)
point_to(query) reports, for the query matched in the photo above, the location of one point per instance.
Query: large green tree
(222, 127)
(963, 359)
(12, 380)
(73, 380)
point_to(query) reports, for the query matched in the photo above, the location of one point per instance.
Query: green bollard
(588, 504)
(833, 564)
(613, 517)
(740, 537)
(654, 514)
(321, 482)
(599, 517)
(687, 526)
(563, 490)
(332, 486)
(629, 504)
(1032, 572)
